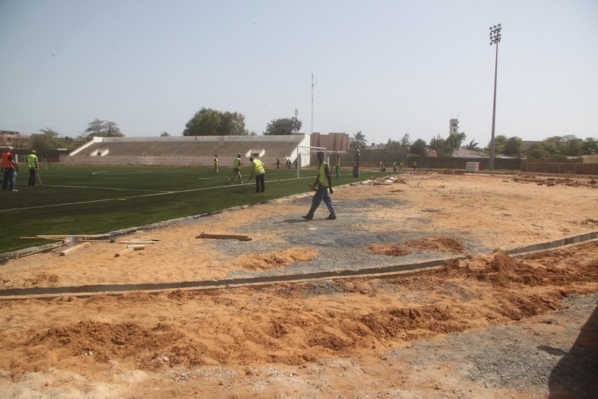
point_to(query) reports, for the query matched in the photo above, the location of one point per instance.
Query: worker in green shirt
(33, 167)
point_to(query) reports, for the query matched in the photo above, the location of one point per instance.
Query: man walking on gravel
(321, 186)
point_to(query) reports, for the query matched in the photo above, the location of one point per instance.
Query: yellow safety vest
(258, 167)
(31, 161)
(322, 179)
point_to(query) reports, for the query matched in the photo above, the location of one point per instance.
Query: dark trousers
(32, 173)
(8, 181)
(260, 183)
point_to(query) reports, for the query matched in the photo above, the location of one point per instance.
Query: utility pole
(494, 39)
(313, 83)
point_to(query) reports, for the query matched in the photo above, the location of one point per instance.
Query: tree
(453, 142)
(47, 139)
(232, 124)
(446, 147)
(357, 141)
(539, 152)
(438, 144)
(209, 122)
(513, 147)
(590, 146)
(571, 146)
(99, 128)
(205, 122)
(393, 145)
(419, 147)
(472, 146)
(406, 141)
(284, 126)
(499, 144)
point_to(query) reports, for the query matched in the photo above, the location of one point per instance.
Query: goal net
(307, 160)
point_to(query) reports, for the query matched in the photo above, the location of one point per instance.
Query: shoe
(331, 217)
(307, 217)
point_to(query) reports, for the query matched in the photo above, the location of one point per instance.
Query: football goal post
(307, 158)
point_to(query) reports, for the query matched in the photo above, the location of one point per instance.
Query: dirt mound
(441, 244)
(387, 249)
(502, 270)
(277, 260)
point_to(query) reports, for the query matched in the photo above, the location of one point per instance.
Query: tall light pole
(494, 39)
(313, 83)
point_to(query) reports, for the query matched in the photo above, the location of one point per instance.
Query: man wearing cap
(9, 166)
(33, 167)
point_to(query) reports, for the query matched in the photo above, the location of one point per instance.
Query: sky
(385, 68)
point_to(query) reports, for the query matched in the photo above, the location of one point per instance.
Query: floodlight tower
(494, 39)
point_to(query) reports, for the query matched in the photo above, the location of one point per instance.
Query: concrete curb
(117, 289)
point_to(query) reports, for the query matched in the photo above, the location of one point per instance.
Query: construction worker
(236, 170)
(338, 166)
(33, 167)
(257, 169)
(321, 186)
(216, 163)
(9, 166)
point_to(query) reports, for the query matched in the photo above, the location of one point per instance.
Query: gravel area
(550, 359)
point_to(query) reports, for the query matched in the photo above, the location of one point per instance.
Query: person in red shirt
(9, 166)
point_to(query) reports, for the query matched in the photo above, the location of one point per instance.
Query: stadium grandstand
(185, 150)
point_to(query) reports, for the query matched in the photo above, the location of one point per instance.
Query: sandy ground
(483, 324)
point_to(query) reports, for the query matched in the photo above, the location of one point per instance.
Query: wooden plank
(137, 242)
(136, 247)
(75, 248)
(124, 252)
(44, 248)
(239, 237)
(63, 236)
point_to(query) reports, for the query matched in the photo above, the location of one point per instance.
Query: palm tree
(357, 141)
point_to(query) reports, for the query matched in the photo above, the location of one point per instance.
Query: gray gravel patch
(523, 358)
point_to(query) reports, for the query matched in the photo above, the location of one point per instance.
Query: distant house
(14, 139)
(465, 153)
(338, 142)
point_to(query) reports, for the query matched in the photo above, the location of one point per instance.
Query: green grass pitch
(99, 199)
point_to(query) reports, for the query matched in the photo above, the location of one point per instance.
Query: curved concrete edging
(88, 290)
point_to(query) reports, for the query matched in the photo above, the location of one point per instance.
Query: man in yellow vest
(236, 170)
(257, 169)
(33, 167)
(321, 186)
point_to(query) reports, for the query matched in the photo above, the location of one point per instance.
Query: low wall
(115, 160)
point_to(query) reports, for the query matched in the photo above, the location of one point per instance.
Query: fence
(371, 159)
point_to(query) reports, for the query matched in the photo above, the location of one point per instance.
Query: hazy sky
(385, 68)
